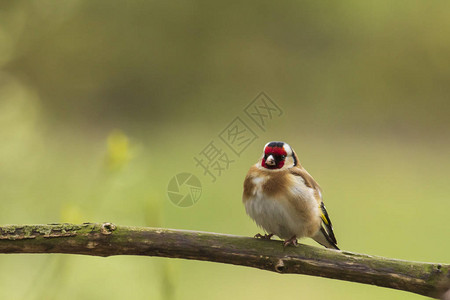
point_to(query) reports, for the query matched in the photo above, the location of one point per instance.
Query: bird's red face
(274, 156)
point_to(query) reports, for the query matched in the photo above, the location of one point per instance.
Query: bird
(285, 200)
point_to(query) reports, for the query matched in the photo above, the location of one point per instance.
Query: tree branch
(106, 239)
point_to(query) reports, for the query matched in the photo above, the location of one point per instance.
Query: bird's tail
(324, 239)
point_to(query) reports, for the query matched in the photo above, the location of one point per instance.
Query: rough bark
(106, 239)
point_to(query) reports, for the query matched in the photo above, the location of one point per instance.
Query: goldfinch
(284, 200)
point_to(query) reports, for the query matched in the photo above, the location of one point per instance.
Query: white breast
(278, 216)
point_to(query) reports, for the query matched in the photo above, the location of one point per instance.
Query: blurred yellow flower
(118, 152)
(71, 213)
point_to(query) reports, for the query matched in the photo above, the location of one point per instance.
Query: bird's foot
(292, 241)
(264, 237)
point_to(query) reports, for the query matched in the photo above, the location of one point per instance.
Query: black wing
(329, 234)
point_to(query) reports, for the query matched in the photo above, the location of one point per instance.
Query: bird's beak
(270, 161)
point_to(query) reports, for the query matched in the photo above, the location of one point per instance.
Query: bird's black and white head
(278, 156)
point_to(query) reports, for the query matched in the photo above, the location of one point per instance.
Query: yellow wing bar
(324, 219)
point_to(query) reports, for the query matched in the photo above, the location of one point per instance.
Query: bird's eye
(283, 157)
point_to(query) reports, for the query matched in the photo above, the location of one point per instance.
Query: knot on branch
(279, 267)
(107, 228)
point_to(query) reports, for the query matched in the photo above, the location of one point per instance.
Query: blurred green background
(102, 103)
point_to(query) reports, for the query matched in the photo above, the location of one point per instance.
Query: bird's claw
(292, 241)
(264, 237)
